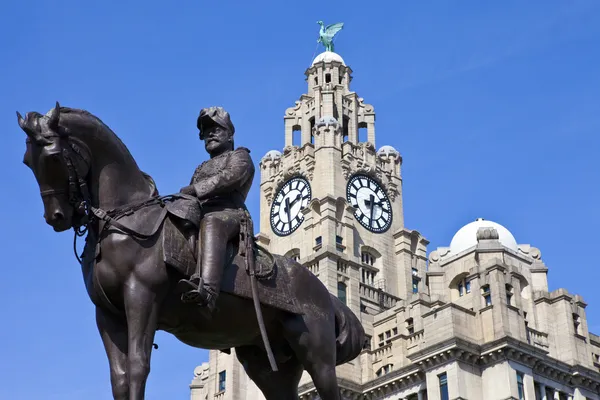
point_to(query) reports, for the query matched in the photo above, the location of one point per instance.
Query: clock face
(291, 199)
(373, 208)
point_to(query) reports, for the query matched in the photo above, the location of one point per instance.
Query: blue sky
(493, 106)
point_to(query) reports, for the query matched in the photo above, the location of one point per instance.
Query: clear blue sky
(493, 105)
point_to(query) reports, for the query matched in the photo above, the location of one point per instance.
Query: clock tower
(333, 201)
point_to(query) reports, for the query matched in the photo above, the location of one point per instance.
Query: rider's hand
(188, 190)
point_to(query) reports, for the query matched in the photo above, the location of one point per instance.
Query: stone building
(474, 320)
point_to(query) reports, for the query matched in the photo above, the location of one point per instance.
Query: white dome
(466, 237)
(328, 56)
(272, 155)
(387, 151)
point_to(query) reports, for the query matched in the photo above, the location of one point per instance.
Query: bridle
(77, 190)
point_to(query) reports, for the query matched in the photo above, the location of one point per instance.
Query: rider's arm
(237, 172)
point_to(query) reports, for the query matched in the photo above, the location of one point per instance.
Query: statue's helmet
(214, 115)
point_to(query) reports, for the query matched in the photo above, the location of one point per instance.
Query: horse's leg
(312, 338)
(280, 385)
(114, 337)
(141, 307)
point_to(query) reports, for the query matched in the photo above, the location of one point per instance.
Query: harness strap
(103, 215)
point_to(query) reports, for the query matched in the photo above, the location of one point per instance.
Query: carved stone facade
(474, 320)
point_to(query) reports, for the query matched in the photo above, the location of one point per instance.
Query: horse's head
(58, 166)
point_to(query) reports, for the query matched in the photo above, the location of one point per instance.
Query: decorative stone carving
(487, 233)
(360, 159)
(292, 111)
(296, 161)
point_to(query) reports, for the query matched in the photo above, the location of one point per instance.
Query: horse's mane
(97, 122)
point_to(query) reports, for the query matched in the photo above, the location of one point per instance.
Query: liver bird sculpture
(327, 33)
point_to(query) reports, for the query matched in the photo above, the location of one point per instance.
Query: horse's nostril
(58, 216)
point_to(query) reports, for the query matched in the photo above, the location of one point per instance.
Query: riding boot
(190, 287)
(215, 236)
(213, 262)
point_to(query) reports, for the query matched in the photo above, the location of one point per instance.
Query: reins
(80, 199)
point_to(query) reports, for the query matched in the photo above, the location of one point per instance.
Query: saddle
(180, 249)
(181, 241)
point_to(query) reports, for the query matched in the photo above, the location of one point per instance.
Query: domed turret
(271, 155)
(385, 151)
(328, 56)
(466, 237)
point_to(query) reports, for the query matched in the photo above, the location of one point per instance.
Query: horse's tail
(350, 334)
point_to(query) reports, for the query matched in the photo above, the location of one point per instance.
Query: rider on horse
(221, 184)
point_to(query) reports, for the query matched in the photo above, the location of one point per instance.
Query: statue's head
(320, 23)
(216, 129)
(44, 155)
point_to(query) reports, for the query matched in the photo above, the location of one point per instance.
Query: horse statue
(137, 250)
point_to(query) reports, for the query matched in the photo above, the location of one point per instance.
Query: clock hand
(371, 211)
(298, 197)
(287, 208)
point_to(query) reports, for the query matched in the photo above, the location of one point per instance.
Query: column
(543, 391)
(420, 395)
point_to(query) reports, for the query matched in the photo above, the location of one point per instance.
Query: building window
(367, 344)
(367, 277)
(487, 295)
(222, 378)
(527, 334)
(316, 80)
(520, 387)
(318, 241)
(367, 258)
(327, 78)
(443, 387)
(509, 294)
(410, 326)
(464, 287)
(576, 323)
(341, 288)
(537, 390)
(339, 243)
(386, 369)
(415, 285)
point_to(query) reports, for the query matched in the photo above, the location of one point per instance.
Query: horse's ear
(54, 116)
(21, 120)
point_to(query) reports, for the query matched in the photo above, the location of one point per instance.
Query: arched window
(341, 288)
(367, 258)
(294, 254)
(386, 369)
(487, 295)
(509, 294)
(577, 324)
(410, 326)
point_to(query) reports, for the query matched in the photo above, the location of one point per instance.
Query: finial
(327, 33)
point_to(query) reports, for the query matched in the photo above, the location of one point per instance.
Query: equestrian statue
(185, 263)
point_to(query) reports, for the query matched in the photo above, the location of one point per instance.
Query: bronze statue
(137, 253)
(221, 184)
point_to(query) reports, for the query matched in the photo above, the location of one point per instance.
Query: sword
(251, 265)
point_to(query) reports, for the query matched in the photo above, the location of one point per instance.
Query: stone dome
(328, 56)
(387, 151)
(466, 237)
(272, 155)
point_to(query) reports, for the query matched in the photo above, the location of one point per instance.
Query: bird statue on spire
(326, 34)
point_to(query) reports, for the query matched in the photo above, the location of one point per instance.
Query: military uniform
(221, 184)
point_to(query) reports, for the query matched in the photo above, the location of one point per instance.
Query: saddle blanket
(273, 280)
